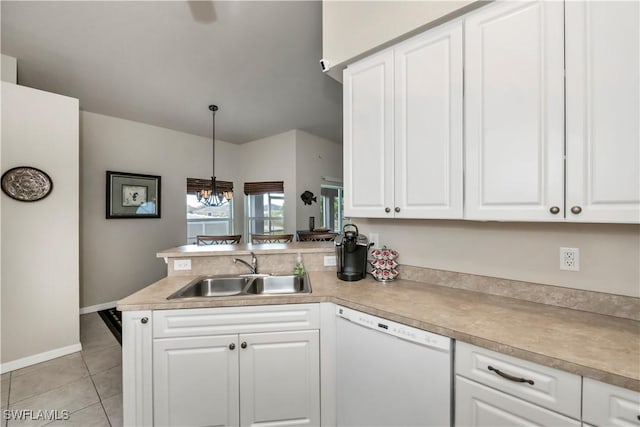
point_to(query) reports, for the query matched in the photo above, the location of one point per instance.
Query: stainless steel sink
(288, 284)
(246, 284)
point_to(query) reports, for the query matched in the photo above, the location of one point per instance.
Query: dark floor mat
(113, 319)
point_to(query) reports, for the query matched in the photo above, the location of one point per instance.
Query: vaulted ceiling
(164, 62)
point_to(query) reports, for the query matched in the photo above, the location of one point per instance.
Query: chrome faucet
(254, 263)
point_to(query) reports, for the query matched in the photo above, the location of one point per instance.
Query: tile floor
(87, 384)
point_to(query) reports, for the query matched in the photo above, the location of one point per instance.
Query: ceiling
(164, 62)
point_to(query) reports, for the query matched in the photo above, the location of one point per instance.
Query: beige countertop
(601, 347)
(247, 248)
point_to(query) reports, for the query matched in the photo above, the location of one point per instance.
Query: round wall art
(26, 184)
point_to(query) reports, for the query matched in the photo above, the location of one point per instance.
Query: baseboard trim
(40, 357)
(97, 307)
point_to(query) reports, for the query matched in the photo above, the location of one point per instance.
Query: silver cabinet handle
(232, 346)
(576, 210)
(554, 210)
(387, 210)
(144, 320)
(397, 209)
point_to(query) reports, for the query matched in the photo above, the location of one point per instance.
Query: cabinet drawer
(478, 405)
(214, 321)
(553, 389)
(608, 405)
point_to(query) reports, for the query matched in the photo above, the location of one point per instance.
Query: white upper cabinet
(514, 106)
(603, 111)
(428, 125)
(368, 136)
(551, 117)
(403, 129)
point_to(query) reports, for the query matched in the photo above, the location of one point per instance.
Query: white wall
(9, 69)
(315, 157)
(118, 255)
(352, 28)
(272, 159)
(609, 253)
(40, 239)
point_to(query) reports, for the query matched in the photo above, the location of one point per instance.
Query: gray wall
(40, 239)
(271, 159)
(118, 256)
(609, 253)
(351, 28)
(315, 157)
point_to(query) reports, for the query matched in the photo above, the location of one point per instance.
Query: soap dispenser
(298, 270)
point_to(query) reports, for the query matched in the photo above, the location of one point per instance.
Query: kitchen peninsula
(595, 346)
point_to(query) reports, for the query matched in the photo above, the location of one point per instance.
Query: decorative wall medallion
(26, 184)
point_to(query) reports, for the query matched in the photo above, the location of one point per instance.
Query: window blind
(263, 187)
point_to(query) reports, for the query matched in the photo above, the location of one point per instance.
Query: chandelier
(212, 196)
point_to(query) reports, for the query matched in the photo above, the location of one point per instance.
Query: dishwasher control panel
(396, 329)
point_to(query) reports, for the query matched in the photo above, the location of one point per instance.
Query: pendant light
(211, 196)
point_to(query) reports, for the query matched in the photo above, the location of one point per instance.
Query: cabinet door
(368, 137)
(478, 405)
(428, 125)
(196, 381)
(514, 112)
(280, 378)
(137, 373)
(603, 106)
(607, 405)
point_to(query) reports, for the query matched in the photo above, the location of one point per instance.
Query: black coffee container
(351, 252)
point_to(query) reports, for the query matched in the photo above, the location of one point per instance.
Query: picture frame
(132, 195)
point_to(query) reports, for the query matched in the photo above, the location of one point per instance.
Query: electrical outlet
(570, 259)
(182, 264)
(330, 261)
(375, 239)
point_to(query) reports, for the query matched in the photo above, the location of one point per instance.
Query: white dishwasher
(389, 374)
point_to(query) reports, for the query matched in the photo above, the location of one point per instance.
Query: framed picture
(132, 195)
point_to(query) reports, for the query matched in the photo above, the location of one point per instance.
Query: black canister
(351, 253)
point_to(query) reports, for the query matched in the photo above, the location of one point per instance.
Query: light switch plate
(330, 261)
(182, 264)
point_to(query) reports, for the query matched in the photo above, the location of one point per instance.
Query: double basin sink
(244, 284)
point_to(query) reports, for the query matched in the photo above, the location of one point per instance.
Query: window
(207, 220)
(265, 213)
(331, 207)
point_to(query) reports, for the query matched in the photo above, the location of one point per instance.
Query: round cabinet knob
(243, 345)
(576, 210)
(144, 320)
(387, 210)
(232, 346)
(397, 209)
(554, 210)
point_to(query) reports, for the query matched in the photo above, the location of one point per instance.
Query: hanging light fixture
(212, 196)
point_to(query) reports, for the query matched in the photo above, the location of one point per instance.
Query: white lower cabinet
(235, 366)
(479, 405)
(230, 380)
(280, 379)
(195, 381)
(608, 405)
(493, 389)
